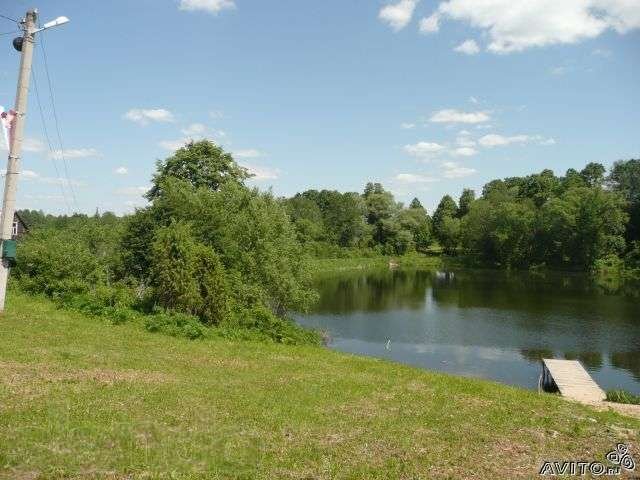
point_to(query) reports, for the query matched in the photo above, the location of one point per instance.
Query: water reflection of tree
(542, 294)
(374, 291)
(535, 355)
(629, 361)
(591, 360)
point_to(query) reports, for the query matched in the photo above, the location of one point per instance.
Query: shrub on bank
(175, 324)
(622, 396)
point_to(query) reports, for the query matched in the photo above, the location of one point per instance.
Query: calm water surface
(487, 324)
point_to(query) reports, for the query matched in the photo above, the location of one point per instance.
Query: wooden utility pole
(15, 149)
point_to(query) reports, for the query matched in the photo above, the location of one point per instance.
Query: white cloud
(31, 175)
(495, 140)
(132, 191)
(473, 99)
(513, 26)
(423, 149)
(454, 170)
(60, 181)
(430, 24)
(414, 178)
(558, 71)
(455, 116)
(26, 174)
(173, 145)
(121, 171)
(48, 198)
(465, 141)
(33, 145)
(133, 204)
(468, 47)
(398, 15)
(249, 153)
(30, 145)
(216, 114)
(261, 173)
(74, 153)
(194, 129)
(408, 126)
(145, 116)
(465, 151)
(210, 6)
(602, 52)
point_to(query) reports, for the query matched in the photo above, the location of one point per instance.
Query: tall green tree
(202, 164)
(593, 174)
(447, 208)
(625, 179)
(464, 204)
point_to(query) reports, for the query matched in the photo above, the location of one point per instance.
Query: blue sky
(426, 97)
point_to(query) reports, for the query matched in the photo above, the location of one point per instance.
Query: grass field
(80, 398)
(335, 265)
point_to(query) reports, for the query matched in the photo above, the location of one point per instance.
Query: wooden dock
(572, 381)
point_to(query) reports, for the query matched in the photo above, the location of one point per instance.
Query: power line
(9, 18)
(46, 134)
(55, 117)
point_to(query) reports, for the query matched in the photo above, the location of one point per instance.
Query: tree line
(569, 222)
(210, 247)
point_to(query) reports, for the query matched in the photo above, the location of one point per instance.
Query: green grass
(335, 265)
(622, 396)
(83, 398)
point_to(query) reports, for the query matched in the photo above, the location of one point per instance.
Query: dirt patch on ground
(621, 408)
(27, 379)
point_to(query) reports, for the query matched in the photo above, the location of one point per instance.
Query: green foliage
(466, 200)
(332, 224)
(262, 322)
(500, 232)
(207, 249)
(593, 174)
(96, 306)
(622, 396)
(582, 225)
(237, 258)
(625, 179)
(201, 164)
(445, 229)
(175, 324)
(569, 222)
(449, 234)
(74, 259)
(415, 225)
(173, 268)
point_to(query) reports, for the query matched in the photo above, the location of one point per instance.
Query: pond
(482, 323)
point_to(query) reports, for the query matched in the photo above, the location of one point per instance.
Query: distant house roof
(20, 227)
(18, 217)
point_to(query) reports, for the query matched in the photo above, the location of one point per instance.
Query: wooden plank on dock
(573, 381)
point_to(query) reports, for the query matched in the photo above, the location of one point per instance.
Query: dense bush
(187, 276)
(175, 324)
(207, 247)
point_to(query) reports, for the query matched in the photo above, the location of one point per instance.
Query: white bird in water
(388, 345)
